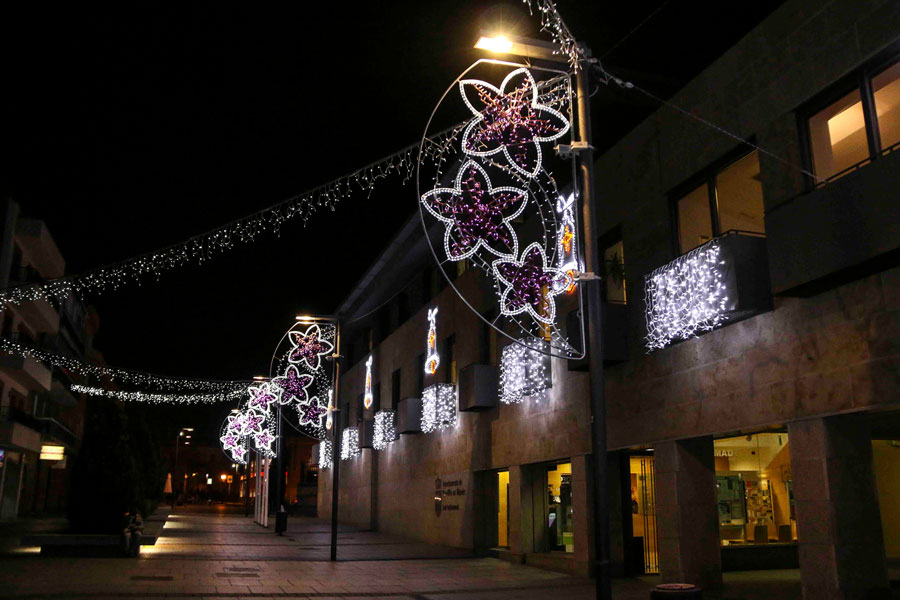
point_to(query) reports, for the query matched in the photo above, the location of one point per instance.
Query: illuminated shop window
(755, 490)
(560, 510)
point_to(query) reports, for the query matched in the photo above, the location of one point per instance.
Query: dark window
(395, 389)
(450, 357)
(420, 370)
(856, 122)
(725, 198)
(613, 267)
(376, 397)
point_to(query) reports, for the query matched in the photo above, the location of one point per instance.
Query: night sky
(130, 127)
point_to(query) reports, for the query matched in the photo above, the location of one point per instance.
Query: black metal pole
(279, 491)
(336, 442)
(174, 466)
(595, 341)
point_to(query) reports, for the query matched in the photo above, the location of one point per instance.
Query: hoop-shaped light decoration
(385, 430)
(432, 358)
(685, 297)
(368, 398)
(438, 407)
(326, 449)
(523, 372)
(350, 443)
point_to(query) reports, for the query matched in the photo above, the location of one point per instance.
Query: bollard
(676, 591)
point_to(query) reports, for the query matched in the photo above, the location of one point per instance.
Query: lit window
(614, 262)
(731, 199)
(857, 127)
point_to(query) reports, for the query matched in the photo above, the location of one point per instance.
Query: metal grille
(648, 499)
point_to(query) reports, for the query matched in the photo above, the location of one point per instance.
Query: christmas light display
(567, 239)
(329, 415)
(368, 398)
(326, 450)
(311, 412)
(253, 423)
(476, 214)
(262, 442)
(263, 396)
(293, 385)
(120, 375)
(309, 347)
(438, 407)
(157, 398)
(510, 120)
(432, 358)
(531, 285)
(685, 297)
(385, 429)
(523, 371)
(350, 443)
(552, 23)
(233, 444)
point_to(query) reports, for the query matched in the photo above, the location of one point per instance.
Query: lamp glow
(499, 43)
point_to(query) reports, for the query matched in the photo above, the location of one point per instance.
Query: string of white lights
(523, 371)
(157, 398)
(438, 407)
(121, 375)
(349, 443)
(552, 22)
(326, 449)
(384, 429)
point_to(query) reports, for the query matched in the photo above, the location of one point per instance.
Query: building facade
(751, 425)
(37, 410)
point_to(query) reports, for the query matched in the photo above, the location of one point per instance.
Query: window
(857, 126)
(613, 266)
(450, 354)
(729, 199)
(755, 489)
(395, 389)
(560, 517)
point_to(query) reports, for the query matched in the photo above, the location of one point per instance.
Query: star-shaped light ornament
(230, 440)
(311, 412)
(263, 441)
(263, 396)
(235, 424)
(239, 454)
(476, 214)
(253, 423)
(309, 347)
(530, 285)
(510, 120)
(293, 385)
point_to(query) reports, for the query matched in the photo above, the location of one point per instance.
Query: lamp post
(537, 49)
(175, 462)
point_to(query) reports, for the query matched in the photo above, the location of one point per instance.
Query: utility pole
(336, 443)
(594, 309)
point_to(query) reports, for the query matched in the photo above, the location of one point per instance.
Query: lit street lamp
(537, 49)
(187, 442)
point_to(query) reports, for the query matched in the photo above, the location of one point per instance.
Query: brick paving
(216, 552)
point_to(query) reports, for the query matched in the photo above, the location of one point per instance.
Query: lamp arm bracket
(575, 148)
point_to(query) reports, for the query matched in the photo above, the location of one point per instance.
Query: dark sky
(132, 126)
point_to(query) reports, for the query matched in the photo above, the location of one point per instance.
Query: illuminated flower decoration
(235, 424)
(311, 412)
(294, 385)
(230, 440)
(530, 285)
(263, 441)
(239, 454)
(309, 347)
(510, 120)
(476, 214)
(263, 396)
(253, 423)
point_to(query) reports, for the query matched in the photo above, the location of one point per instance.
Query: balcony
(26, 371)
(39, 315)
(19, 430)
(39, 248)
(722, 281)
(836, 230)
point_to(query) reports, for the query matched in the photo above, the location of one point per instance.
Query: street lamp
(181, 434)
(537, 49)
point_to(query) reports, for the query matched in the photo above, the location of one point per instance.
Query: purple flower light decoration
(239, 454)
(476, 214)
(309, 347)
(293, 385)
(253, 423)
(311, 413)
(263, 396)
(230, 440)
(530, 285)
(510, 120)
(263, 441)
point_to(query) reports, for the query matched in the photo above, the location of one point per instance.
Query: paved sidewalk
(216, 552)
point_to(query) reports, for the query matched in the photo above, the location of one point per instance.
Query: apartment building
(37, 410)
(752, 423)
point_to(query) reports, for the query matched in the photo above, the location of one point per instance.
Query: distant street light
(181, 433)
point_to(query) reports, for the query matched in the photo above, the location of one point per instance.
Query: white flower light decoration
(263, 396)
(510, 117)
(476, 214)
(350, 443)
(309, 347)
(385, 430)
(438, 407)
(432, 359)
(368, 398)
(523, 372)
(685, 297)
(530, 285)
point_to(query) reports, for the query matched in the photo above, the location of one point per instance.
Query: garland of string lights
(552, 22)
(438, 407)
(120, 375)
(158, 398)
